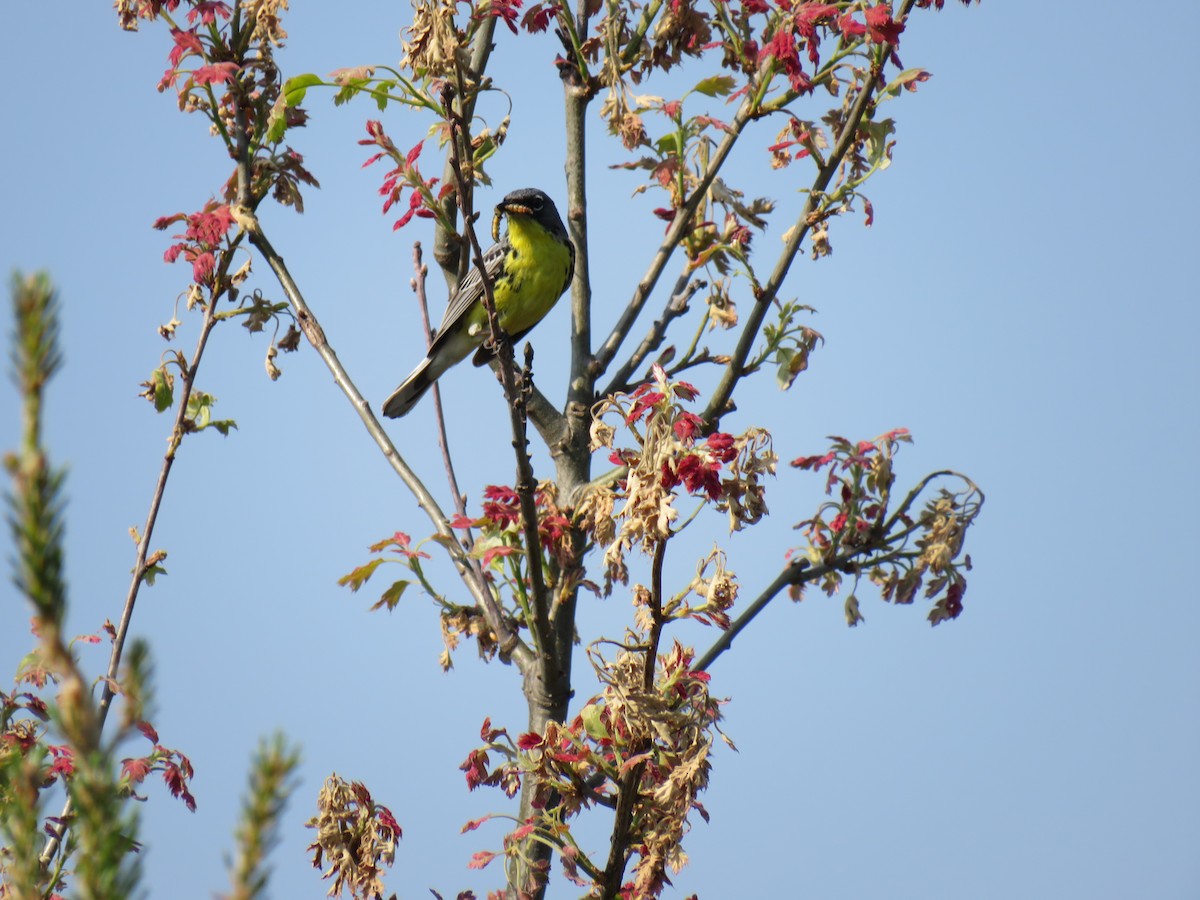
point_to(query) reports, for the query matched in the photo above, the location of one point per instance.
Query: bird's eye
(535, 203)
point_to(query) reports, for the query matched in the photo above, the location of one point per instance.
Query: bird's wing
(469, 293)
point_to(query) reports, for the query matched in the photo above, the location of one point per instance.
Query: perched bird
(529, 269)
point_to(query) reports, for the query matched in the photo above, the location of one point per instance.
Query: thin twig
(460, 499)
(418, 285)
(678, 229)
(577, 224)
(801, 571)
(677, 305)
(656, 617)
(221, 279)
(630, 784)
(764, 298)
(178, 430)
(551, 424)
(793, 573)
(447, 248)
(509, 641)
(911, 496)
(526, 485)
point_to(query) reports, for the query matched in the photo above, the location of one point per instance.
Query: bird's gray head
(533, 203)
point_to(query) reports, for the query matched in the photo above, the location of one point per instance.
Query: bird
(529, 269)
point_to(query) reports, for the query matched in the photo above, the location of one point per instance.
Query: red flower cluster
(699, 473)
(502, 505)
(848, 455)
(803, 30)
(198, 244)
(476, 766)
(175, 767)
(404, 175)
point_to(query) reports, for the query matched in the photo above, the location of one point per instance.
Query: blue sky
(1025, 304)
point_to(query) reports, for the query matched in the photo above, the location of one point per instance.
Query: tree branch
(178, 430)
(574, 462)
(629, 786)
(764, 298)
(675, 233)
(511, 645)
(448, 249)
(550, 424)
(802, 572)
(677, 305)
(460, 500)
(526, 485)
(796, 572)
(418, 286)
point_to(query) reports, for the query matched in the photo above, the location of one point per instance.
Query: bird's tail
(411, 390)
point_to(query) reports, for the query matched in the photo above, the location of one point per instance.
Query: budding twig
(770, 290)
(506, 364)
(418, 285)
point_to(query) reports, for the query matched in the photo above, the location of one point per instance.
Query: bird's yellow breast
(536, 271)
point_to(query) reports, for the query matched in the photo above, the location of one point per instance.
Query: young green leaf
(716, 86)
(391, 597)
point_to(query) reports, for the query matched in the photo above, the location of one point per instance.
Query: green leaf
(153, 567)
(716, 86)
(593, 724)
(151, 573)
(879, 150)
(359, 576)
(786, 373)
(391, 596)
(350, 88)
(908, 79)
(276, 121)
(669, 144)
(164, 394)
(292, 94)
(199, 411)
(296, 87)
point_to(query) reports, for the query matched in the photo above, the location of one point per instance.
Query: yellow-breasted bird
(529, 270)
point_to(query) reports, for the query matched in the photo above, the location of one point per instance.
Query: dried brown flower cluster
(469, 621)
(434, 41)
(656, 740)
(944, 525)
(265, 15)
(859, 532)
(355, 835)
(669, 454)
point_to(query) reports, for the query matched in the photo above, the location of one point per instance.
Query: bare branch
(572, 460)
(418, 286)
(178, 430)
(549, 422)
(460, 500)
(525, 485)
(677, 305)
(448, 250)
(675, 233)
(511, 645)
(793, 573)
(764, 298)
